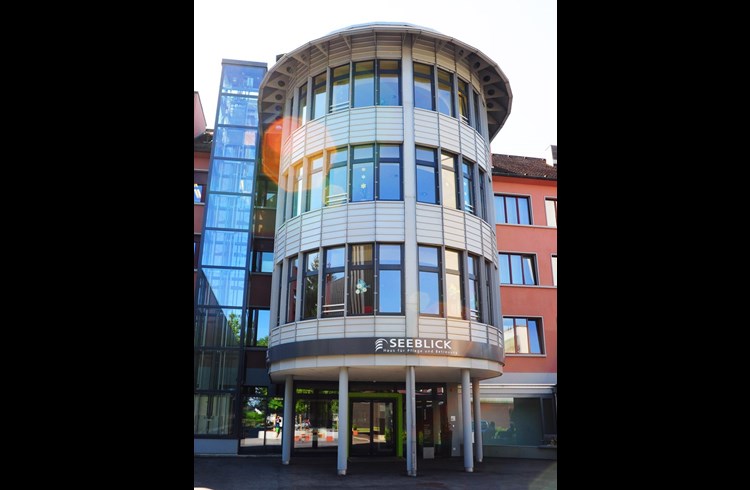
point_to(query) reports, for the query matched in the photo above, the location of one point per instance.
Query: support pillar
(287, 425)
(411, 423)
(478, 439)
(466, 420)
(343, 420)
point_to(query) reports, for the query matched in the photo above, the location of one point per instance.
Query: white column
(287, 427)
(411, 423)
(477, 421)
(466, 420)
(343, 419)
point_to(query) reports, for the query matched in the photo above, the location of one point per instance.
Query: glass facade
(236, 199)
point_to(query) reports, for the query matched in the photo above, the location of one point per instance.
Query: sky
(519, 35)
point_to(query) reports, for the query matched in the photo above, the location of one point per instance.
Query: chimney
(551, 155)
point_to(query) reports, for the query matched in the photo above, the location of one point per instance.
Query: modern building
(383, 319)
(522, 403)
(202, 137)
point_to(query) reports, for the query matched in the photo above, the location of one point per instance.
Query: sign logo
(408, 345)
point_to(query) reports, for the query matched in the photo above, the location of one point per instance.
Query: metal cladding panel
(493, 336)
(388, 45)
(337, 129)
(363, 47)
(478, 332)
(389, 221)
(338, 52)
(316, 135)
(331, 328)
(468, 145)
(462, 67)
(429, 224)
(279, 245)
(426, 127)
(458, 329)
(334, 231)
(449, 133)
(298, 144)
(286, 154)
(423, 51)
(311, 225)
(318, 60)
(390, 326)
(363, 326)
(360, 220)
(432, 327)
(287, 332)
(293, 236)
(453, 228)
(482, 153)
(445, 57)
(390, 124)
(473, 234)
(362, 125)
(308, 331)
(489, 243)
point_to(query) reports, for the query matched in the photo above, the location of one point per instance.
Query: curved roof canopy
(495, 85)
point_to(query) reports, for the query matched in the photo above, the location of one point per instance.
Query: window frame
(319, 84)
(451, 91)
(292, 288)
(337, 81)
(337, 312)
(440, 281)
(302, 114)
(553, 261)
(311, 174)
(378, 77)
(452, 200)
(379, 268)
(459, 273)
(473, 277)
(200, 183)
(463, 101)
(539, 335)
(533, 263)
(553, 202)
(309, 273)
(341, 198)
(351, 268)
(517, 198)
(435, 173)
(431, 83)
(467, 173)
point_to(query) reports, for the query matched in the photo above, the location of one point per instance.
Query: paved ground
(267, 472)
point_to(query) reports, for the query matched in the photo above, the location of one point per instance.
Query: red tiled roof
(518, 166)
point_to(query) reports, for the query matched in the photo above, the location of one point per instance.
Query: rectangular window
(488, 291)
(389, 82)
(483, 195)
(475, 304)
(454, 295)
(430, 297)
(445, 92)
(298, 193)
(550, 205)
(363, 173)
(523, 335)
(426, 176)
(389, 172)
(423, 87)
(217, 327)
(291, 298)
(335, 191)
(364, 84)
(339, 88)
(333, 282)
(361, 280)
(262, 261)
(390, 282)
(477, 113)
(315, 184)
(463, 101)
(199, 186)
(514, 210)
(258, 321)
(448, 170)
(554, 270)
(468, 187)
(517, 269)
(196, 250)
(302, 105)
(310, 293)
(319, 96)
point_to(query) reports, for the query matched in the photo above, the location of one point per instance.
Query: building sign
(386, 346)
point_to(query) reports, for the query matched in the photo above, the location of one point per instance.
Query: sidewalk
(267, 472)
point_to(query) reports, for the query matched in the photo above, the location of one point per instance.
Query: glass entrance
(373, 428)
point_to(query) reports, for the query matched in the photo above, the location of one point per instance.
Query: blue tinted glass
(224, 248)
(217, 327)
(445, 92)
(241, 79)
(429, 297)
(223, 287)
(232, 176)
(512, 212)
(426, 191)
(263, 322)
(425, 155)
(534, 347)
(238, 111)
(499, 209)
(504, 269)
(234, 142)
(528, 271)
(390, 254)
(423, 86)
(364, 84)
(313, 261)
(315, 195)
(468, 195)
(390, 151)
(335, 257)
(515, 269)
(390, 182)
(388, 89)
(228, 212)
(266, 264)
(428, 256)
(523, 210)
(336, 192)
(389, 293)
(363, 152)
(198, 193)
(363, 185)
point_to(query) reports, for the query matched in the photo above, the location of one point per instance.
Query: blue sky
(519, 35)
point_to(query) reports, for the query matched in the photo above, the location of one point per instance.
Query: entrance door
(373, 429)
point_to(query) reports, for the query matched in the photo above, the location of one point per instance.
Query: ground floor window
(262, 421)
(519, 421)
